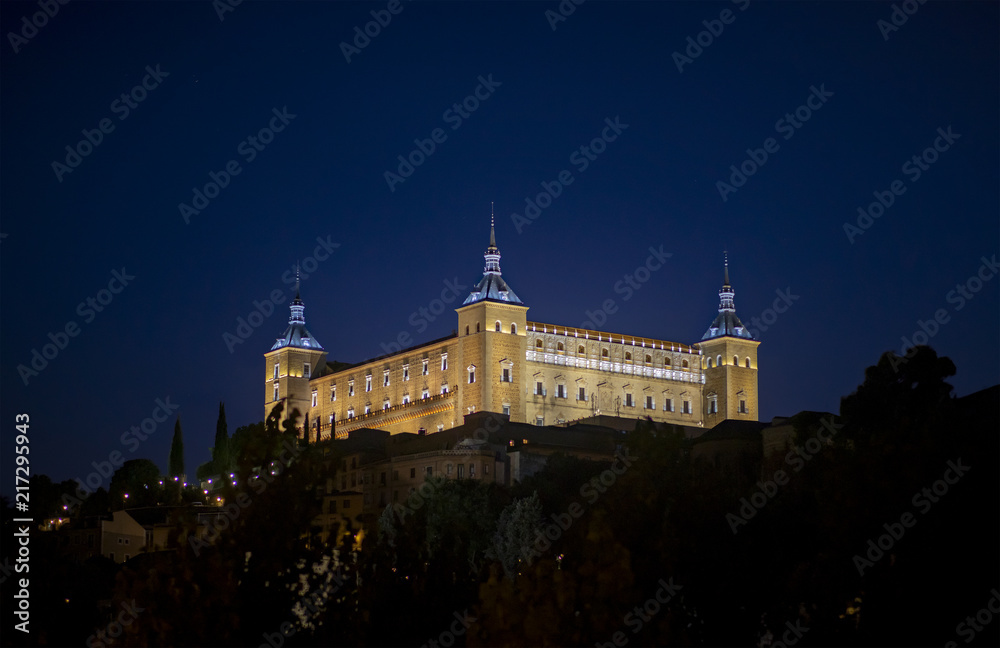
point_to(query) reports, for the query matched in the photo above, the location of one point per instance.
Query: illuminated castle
(499, 361)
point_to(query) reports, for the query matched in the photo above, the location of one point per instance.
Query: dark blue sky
(218, 82)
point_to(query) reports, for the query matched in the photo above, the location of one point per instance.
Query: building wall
(731, 381)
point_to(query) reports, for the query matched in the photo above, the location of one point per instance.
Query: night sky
(839, 103)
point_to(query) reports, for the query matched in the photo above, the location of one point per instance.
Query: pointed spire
(726, 294)
(492, 254)
(297, 306)
(298, 297)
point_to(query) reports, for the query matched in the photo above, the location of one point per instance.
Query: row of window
(606, 353)
(497, 326)
(736, 361)
(561, 392)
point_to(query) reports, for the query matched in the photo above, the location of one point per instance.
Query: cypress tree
(176, 464)
(220, 453)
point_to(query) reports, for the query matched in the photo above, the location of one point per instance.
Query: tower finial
(297, 296)
(725, 256)
(493, 240)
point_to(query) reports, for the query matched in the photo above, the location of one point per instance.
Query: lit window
(506, 410)
(497, 326)
(649, 402)
(275, 370)
(538, 344)
(628, 401)
(684, 364)
(385, 378)
(424, 367)
(444, 388)
(709, 363)
(649, 359)
(350, 387)
(513, 328)
(505, 376)
(333, 393)
(331, 419)
(406, 372)
(580, 350)
(718, 360)
(748, 362)
(582, 396)
(560, 347)
(406, 399)
(713, 405)
(444, 362)
(440, 427)
(350, 412)
(628, 356)
(426, 393)
(666, 362)
(368, 408)
(539, 420)
(275, 391)
(368, 383)
(305, 370)
(604, 353)
(385, 404)
(315, 398)
(472, 374)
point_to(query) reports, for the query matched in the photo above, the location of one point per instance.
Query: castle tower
(293, 360)
(492, 343)
(730, 363)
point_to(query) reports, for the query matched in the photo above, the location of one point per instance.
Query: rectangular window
(472, 470)
(350, 387)
(275, 391)
(713, 406)
(406, 399)
(385, 378)
(424, 367)
(440, 427)
(368, 409)
(444, 389)
(505, 377)
(687, 407)
(275, 370)
(444, 362)
(406, 372)
(628, 401)
(413, 473)
(315, 398)
(649, 402)
(472, 375)
(385, 405)
(448, 470)
(560, 391)
(305, 370)
(539, 420)
(486, 468)
(506, 410)
(333, 393)
(582, 396)
(426, 393)
(368, 383)
(743, 406)
(668, 405)
(461, 471)
(539, 391)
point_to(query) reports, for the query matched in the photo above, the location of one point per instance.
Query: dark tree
(140, 479)
(177, 451)
(220, 453)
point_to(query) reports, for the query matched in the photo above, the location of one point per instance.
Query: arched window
(466, 330)
(477, 327)
(560, 347)
(736, 361)
(649, 359)
(684, 364)
(580, 350)
(604, 353)
(748, 362)
(538, 344)
(666, 362)
(718, 360)
(513, 328)
(628, 356)
(498, 326)
(709, 363)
